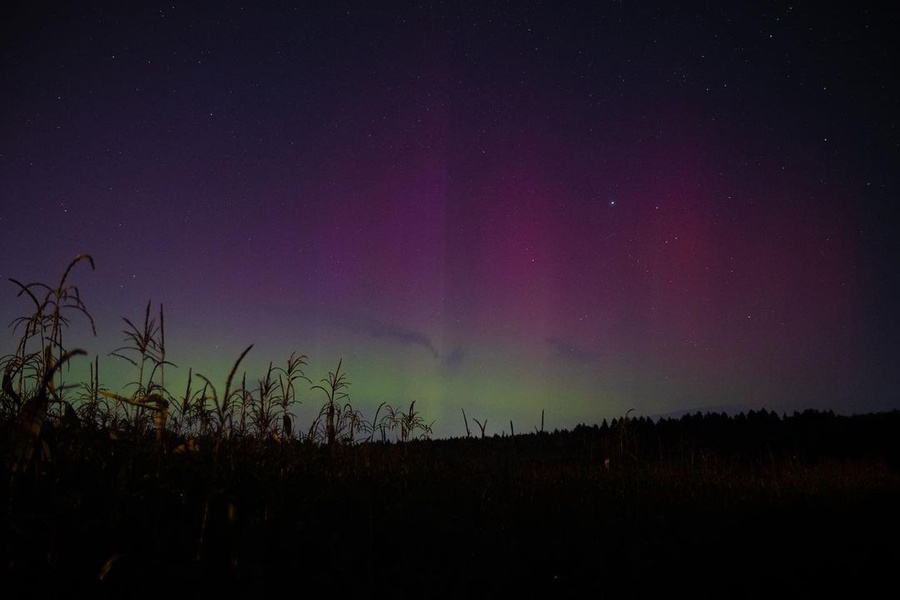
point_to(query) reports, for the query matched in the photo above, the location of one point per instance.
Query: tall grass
(31, 392)
(41, 348)
(217, 473)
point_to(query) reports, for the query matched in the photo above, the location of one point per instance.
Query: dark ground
(712, 506)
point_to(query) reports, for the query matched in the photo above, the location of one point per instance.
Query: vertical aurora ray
(472, 210)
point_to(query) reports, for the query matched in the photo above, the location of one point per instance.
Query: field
(561, 512)
(160, 493)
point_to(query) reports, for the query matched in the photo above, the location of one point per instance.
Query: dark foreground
(751, 508)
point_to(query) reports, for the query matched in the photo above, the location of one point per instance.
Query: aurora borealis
(500, 207)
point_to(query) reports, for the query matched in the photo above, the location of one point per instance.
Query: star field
(501, 207)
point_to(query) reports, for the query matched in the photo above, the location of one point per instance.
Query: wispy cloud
(569, 349)
(452, 362)
(363, 324)
(403, 335)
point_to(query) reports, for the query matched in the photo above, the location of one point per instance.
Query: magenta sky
(584, 209)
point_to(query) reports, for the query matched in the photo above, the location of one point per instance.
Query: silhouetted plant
(333, 388)
(541, 430)
(94, 407)
(287, 377)
(262, 404)
(148, 347)
(377, 425)
(406, 424)
(187, 415)
(225, 405)
(480, 425)
(45, 326)
(27, 436)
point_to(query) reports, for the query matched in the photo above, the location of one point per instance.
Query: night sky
(502, 207)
